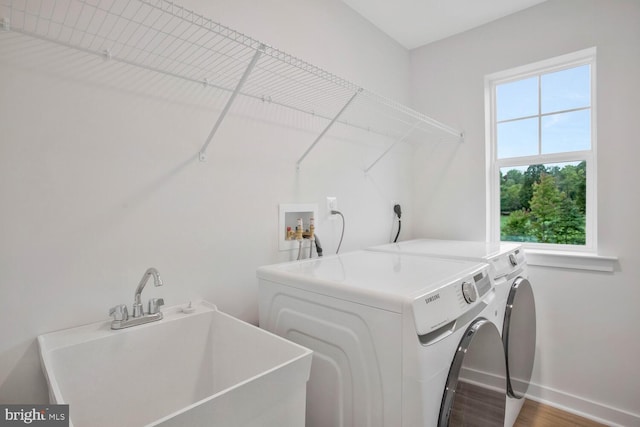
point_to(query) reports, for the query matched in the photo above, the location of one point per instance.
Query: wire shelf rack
(164, 37)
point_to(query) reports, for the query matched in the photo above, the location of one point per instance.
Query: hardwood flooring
(476, 406)
(534, 414)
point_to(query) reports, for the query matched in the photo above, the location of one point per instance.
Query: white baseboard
(585, 408)
(567, 402)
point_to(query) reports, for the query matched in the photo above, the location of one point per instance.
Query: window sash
(494, 164)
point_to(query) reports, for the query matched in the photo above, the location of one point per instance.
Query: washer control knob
(513, 260)
(469, 292)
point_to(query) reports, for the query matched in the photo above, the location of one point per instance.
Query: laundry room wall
(99, 177)
(587, 347)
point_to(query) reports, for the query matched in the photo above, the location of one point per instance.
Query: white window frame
(583, 57)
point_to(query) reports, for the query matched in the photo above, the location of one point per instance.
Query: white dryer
(516, 303)
(390, 334)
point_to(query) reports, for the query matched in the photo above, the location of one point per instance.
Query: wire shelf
(167, 38)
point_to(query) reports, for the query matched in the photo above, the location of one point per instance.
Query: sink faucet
(137, 303)
(120, 315)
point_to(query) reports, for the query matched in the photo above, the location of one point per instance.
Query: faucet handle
(155, 304)
(119, 312)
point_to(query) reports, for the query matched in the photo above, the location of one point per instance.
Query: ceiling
(414, 23)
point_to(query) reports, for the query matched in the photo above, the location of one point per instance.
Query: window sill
(572, 260)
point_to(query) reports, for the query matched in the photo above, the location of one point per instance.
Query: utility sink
(189, 369)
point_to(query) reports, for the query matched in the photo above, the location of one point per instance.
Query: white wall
(99, 178)
(587, 322)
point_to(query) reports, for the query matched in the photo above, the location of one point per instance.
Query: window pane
(517, 138)
(544, 203)
(566, 132)
(517, 99)
(566, 90)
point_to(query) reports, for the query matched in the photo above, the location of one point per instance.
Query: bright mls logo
(35, 415)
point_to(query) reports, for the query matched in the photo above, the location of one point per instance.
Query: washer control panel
(451, 300)
(507, 263)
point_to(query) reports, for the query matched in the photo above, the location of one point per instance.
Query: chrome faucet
(137, 303)
(120, 314)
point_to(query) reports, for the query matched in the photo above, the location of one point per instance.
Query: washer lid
(500, 255)
(462, 249)
(431, 288)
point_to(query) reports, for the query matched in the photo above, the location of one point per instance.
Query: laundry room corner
(583, 360)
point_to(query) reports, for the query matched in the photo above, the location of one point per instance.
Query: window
(541, 153)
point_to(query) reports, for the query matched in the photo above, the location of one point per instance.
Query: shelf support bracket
(404, 137)
(202, 156)
(337, 116)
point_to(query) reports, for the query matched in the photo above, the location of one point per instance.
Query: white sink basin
(202, 368)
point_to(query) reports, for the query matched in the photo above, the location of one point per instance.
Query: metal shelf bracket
(324, 131)
(202, 155)
(404, 137)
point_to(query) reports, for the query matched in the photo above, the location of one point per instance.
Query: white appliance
(390, 334)
(515, 301)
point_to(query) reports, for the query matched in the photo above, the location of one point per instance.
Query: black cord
(342, 234)
(318, 245)
(398, 211)
(398, 233)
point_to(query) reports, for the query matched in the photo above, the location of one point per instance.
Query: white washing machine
(515, 301)
(391, 334)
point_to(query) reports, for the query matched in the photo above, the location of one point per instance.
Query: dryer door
(519, 336)
(471, 398)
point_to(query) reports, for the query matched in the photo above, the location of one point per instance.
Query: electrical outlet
(332, 205)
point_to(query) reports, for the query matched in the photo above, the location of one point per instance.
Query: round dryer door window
(519, 337)
(475, 392)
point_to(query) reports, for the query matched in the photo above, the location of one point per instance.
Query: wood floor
(475, 406)
(534, 414)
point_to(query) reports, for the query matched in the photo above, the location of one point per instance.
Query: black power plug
(398, 210)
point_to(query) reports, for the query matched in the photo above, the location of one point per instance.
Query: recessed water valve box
(289, 214)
